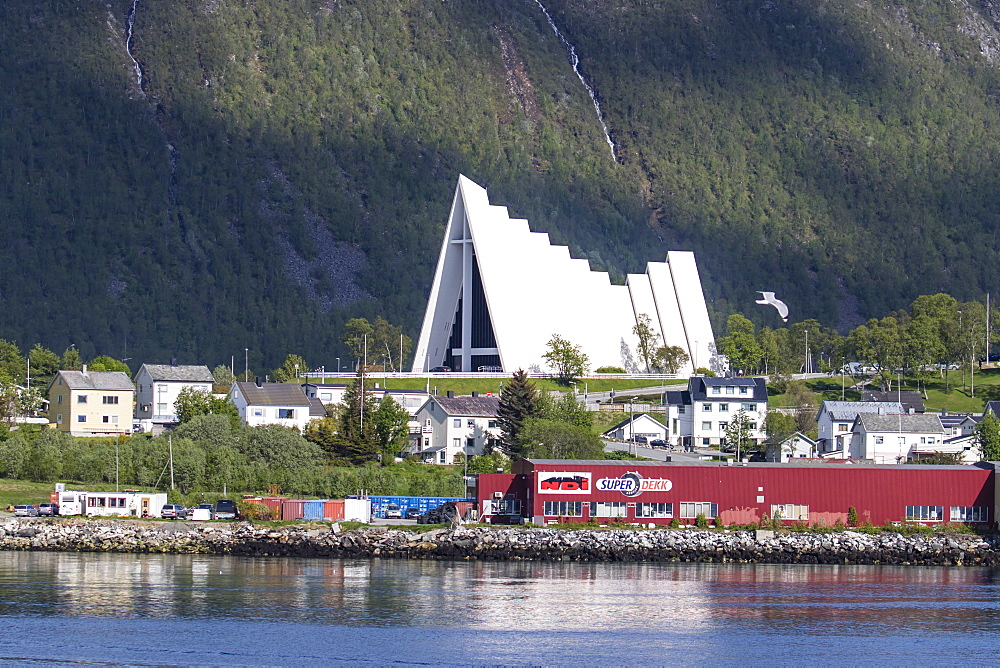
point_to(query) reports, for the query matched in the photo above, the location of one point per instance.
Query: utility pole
(170, 446)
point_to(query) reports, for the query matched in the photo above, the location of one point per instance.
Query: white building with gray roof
(159, 385)
(836, 418)
(895, 439)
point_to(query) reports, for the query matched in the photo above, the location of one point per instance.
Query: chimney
(451, 394)
(259, 382)
(84, 369)
(173, 361)
(475, 394)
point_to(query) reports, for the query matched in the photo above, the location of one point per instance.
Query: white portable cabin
(111, 504)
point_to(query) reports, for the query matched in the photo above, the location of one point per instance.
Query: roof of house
(677, 397)
(911, 399)
(316, 408)
(95, 380)
(911, 423)
(272, 394)
(781, 440)
(469, 406)
(992, 406)
(698, 386)
(848, 410)
(192, 373)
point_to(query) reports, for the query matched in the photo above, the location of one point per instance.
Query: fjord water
(203, 610)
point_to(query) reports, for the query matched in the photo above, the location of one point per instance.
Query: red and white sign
(562, 482)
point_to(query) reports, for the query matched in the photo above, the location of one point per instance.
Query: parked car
(173, 511)
(226, 510)
(393, 511)
(412, 513)
(641, 440)
(658, 443)
(25, 511)
(48, 508)
(441, 369)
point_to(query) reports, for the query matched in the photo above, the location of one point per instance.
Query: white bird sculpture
(769, 298)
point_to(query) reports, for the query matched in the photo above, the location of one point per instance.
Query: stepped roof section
(501, 291)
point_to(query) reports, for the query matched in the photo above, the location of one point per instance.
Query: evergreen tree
(71, 360)
(356, 428)
(519, 401)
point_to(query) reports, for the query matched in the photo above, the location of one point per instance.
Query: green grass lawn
(466, 386)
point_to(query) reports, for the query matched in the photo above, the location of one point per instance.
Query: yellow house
(91, 403)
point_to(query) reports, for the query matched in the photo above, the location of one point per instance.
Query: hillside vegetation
(273, 169)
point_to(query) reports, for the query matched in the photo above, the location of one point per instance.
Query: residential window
(81, 399)
(81, 418)
(507, 507)
(841, 427)
(109, 400)
(723, 425)
(879, 439)
(743, 390)
(563, 508)
(751, 426)
(730, 390)
(750, 408)
(492, 424)
(456, 443)
(716, 390)
(654, 510)
(706, 426)
(286, 413)
(457, 422)
(58, 398)
(109, 419)
(707, 408)
(969, 514)
(471, 424)
(691, 509)
(706, 442)
(680, 410)
(608, 509)
(162, 389)
(427, 442)
(258, 412)
(925, 513)
(441, 457)
(161, 409)
(790, 511)
(58, 418)
(723, 408)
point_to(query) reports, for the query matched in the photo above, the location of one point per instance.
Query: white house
(477, 308)
(835, 419)
(158, 386)
(411, 400)
(641, 425)
(715, 401)
(271, 403)
(452, 425)
(895, 439)
(793, 446)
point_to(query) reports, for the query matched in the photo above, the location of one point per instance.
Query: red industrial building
(643, 492)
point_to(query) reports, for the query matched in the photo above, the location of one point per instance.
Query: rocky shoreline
(500, 544)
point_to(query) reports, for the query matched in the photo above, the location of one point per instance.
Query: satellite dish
(769, 298)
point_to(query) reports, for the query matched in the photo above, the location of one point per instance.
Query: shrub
(675, 523)
(609, 369)
(701, 521)
(852, 517)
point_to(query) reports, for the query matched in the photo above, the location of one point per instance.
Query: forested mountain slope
(272, 169)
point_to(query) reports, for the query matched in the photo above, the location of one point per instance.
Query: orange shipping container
(333, 510)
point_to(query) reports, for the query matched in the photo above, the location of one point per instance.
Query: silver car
(25, 511)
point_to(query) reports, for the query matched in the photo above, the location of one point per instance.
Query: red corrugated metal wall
(745, 493)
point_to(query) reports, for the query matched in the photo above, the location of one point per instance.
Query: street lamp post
(338, 366)
(246, 365)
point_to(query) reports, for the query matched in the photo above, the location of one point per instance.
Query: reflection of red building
(550, 490)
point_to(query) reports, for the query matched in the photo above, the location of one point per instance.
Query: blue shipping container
(313, 510)
(421, 503)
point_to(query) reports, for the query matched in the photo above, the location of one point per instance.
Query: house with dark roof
(159, 385)
(714, 402)
(91, 403)
(450, 426)
(896, 439)
(262, 403)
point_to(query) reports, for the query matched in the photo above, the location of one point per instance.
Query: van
(226, 510)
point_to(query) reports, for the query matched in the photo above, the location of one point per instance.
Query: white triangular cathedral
(501, 291)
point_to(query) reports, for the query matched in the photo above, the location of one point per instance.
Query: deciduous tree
(988, 437)
(566, 359)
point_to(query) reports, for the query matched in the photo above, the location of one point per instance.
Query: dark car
(441, 369)
(642, 440)
(412, 513)
(49, 509)
(658, 443)
(226, 510)
(993, 357)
